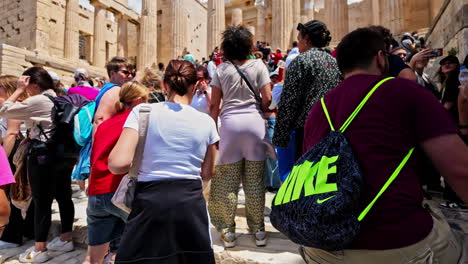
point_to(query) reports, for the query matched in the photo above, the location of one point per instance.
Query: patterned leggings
(223, 196)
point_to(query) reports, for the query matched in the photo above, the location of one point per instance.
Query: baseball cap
(55, 76)
(81, 72)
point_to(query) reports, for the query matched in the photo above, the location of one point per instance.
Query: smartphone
(437, 52)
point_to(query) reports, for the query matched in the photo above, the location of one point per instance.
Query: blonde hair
(152, 80)
(130, 92)
(9, 82)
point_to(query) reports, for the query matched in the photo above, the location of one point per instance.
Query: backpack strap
(389, 181)
(363, 102)
(356, 111)
(325, 110)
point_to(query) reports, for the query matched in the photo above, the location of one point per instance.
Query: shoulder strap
(389, 181)
(356, 111)
(143, 121)
(257, 97)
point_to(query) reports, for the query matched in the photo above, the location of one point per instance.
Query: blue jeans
(106, 222)
(286, 157)
(271, 166)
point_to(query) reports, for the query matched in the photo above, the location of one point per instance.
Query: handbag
(270, 149)
(125, 194)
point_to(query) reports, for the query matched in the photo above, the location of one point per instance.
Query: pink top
(87, 92)
(6, 176)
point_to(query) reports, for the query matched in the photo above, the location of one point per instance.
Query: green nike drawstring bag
(319, 205)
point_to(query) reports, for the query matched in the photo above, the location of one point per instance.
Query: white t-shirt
(176, 143)
(200, 102)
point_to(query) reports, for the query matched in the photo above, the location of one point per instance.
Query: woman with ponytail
(105, 221)
(169, 221)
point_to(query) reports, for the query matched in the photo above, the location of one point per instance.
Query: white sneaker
(229, 239)
(260, 238)
(33, 256)
(58, 245)
(5, 245)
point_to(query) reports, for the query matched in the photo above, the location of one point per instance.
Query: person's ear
(381, 59)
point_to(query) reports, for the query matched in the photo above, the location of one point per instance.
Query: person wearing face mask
(310, 75)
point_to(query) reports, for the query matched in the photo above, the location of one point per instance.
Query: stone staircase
(279, 250)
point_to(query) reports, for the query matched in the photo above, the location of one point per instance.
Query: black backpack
(63, 113)
(319, 205)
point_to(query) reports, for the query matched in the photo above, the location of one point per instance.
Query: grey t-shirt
(236, 92)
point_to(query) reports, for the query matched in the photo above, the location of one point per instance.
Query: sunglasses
(127, 73)
(447, 63)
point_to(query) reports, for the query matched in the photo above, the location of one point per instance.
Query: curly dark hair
(237, 43)
(317, 33)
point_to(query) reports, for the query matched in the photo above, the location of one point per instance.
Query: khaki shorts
(440, 246)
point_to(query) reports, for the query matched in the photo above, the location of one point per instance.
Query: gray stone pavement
(279, 250)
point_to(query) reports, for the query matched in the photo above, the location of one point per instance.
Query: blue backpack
(83, 121)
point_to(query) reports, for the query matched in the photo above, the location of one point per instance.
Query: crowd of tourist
(248, 117)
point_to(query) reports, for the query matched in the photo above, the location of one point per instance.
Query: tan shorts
(440, 246)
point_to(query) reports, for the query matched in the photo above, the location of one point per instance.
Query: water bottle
(463, 77)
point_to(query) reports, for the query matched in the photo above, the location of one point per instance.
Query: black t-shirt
(396, 65)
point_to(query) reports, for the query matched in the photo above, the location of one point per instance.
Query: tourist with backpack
(366, 140)
(106, 222)
(88, 119)
(47, 180)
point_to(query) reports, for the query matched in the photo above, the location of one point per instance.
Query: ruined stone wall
(17, 23)
(417, 15)
(450, 29)
(197, 29)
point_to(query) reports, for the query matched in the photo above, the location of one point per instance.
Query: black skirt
(168, 225)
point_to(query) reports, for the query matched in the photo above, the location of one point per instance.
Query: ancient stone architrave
(99, 54)
(216, 23)
(147, 55)
(71, 36)
(283, 22)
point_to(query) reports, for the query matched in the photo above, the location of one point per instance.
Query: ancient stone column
(261, 16)
(99, 47)
(283, 22)
(237, 16)
(122, 36)
(268, 30)
(179, 28)
(376, 12)
(216, 23)
(147, 53)
(296, 12)
(309, 6)
(393, 17)
(337, 11)
(71, 36)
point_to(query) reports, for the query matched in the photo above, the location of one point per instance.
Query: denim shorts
(106, 222)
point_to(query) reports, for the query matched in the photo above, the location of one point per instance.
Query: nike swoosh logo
(324, 200)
